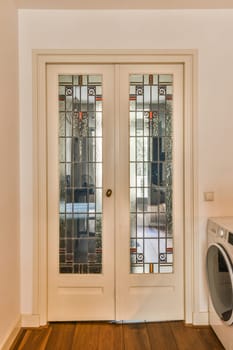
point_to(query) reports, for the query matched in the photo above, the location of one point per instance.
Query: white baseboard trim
(28, 320)
(200, 318)
(12, 334)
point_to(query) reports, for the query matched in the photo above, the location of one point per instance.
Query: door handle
(108, 192)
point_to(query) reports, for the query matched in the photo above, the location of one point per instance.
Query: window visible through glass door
(151, 172)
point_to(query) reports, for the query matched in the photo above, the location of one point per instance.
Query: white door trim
(41, 58)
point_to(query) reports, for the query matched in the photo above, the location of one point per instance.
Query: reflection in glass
(150, 120)
(80, 157)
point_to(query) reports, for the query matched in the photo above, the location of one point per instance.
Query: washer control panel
(221, 228)
(222, 233)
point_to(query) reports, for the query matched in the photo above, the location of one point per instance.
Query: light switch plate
(209, 196)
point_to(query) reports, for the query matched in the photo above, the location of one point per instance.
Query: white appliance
(219, 266)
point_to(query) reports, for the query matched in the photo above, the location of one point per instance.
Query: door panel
(149, 274)
(80, 169)
(117, 257)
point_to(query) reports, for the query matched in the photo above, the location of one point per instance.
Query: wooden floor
(108, 336)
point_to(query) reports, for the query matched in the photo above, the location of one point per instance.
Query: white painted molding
(12, 334)
(200, 318)
(41, 58)
(28, 320)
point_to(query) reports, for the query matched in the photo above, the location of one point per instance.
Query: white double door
(119, 255)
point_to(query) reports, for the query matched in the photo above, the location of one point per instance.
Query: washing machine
(219, 268)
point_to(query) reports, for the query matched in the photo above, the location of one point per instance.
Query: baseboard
(200, 318)
(28, 320)
(11, 335)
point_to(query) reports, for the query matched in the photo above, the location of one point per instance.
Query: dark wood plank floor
(110, 336)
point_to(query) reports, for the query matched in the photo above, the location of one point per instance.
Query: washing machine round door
(220, 281)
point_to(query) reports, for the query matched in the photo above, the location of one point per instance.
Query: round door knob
(109, 192)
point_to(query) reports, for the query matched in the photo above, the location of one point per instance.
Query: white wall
(208, 31)
(9, 174)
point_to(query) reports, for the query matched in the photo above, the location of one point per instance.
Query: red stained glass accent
(99, 98)
(151, 115)
(169, 250)
(98, 250)
(133, 250)
(169, 97)
(80, 80)
(151, 79)
(80, 115)
(69, 258)
(132, 97)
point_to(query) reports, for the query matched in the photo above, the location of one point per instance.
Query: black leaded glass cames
(80, 162)
(80, 152)
(151, 248)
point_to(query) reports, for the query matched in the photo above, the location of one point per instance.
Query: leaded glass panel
(150, 120)
(80, 167)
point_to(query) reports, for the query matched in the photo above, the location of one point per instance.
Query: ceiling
(124, 4)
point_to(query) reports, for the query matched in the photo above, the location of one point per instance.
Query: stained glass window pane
(150, 120)
(80, 158)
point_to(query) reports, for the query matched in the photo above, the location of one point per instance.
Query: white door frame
(41, 58)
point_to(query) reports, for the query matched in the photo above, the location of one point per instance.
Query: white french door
(80, 216)
(115, 192)
(149, 280)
